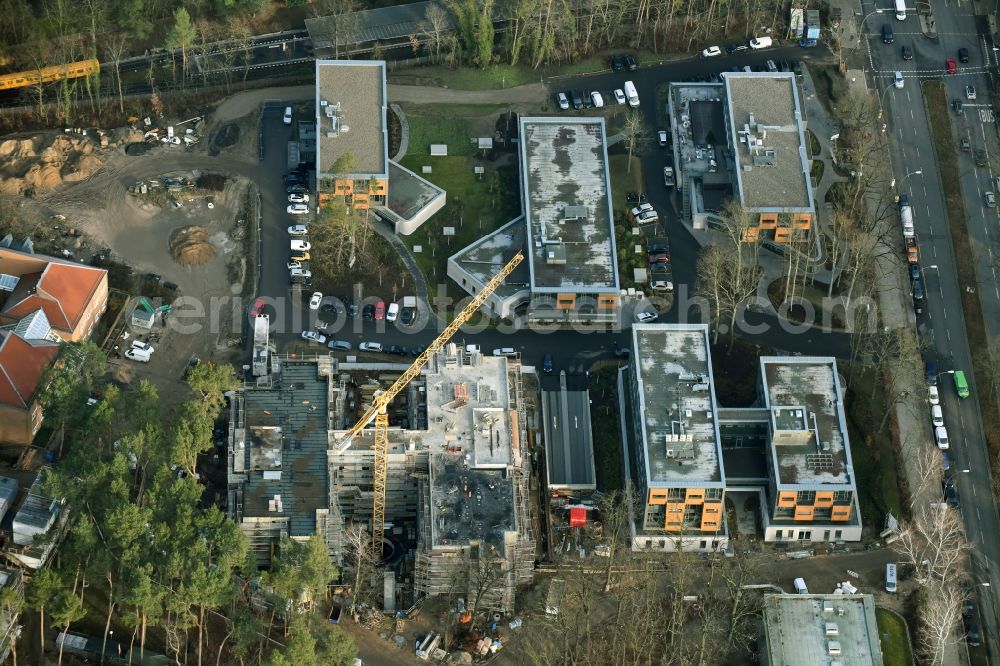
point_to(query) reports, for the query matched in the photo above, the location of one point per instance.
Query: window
(805, 535)
(704, 544)
(675, 493)
(806, 497)
(842, 497)
(713, 493)
(826, 535)
(838, 534)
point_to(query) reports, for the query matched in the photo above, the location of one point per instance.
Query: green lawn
(474, 207)
(623, 180)
(608, 463)
(872, 452)
(892, 631)
(444, 123)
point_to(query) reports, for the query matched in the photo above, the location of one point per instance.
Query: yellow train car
(72, 70)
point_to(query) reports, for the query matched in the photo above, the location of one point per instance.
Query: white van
(393, 312)
(138, 355)
(890, 577)
(937, 416)
(287, 119)
(631, 94)
(900, 10)
(941, 437)
(761, 43)
(800, 586)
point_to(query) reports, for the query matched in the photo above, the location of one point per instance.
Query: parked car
(619, 96)
(932, 395)
(972, 633)
(393, 312)
(761, 43)
(990, 199)
(257, 308)
(617, 63)
(298, 230)
(315, 300)
(287, 118)
(144, 347)
(630, 62)
(136, 355)
(641, 208)
(380, 310)
(300, 245)
(407, 316)
(563, 101)
(577, 99)
(941, 437)
(646, 316)
(661, 137)
(340, 345)
(547, 363)
(294, 264)
(299, 257)
(504, 351)
(808, 43)
(297, 209)
(914, 271)
(368, 311)
(931, 371)
(332, 304)
(711, 52)
(300, 273)
(647, 217)
(314, 336)
(950, 495)
(370, 346)
(597, 99)
(937, 416)
(736, 48)
(963, 55)
(298, 197)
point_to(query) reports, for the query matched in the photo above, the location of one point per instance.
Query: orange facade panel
(840, 513)
(824, 499)
(786, 498)
(768, 221)
(657, 497)
(607, 302)
(694, 496)
(803, 513)
(565, 301)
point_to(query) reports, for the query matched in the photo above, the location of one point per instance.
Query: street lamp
(918, 172)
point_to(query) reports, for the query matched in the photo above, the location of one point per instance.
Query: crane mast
(377, 410)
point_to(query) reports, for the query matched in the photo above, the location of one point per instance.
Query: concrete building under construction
(458, 511)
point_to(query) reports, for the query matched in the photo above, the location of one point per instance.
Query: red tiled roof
(21, 368)
(62, 290)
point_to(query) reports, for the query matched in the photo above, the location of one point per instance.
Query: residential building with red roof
(43, 301)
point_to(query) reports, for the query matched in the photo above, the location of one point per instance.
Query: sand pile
(85, 167)
(34, 164)
(189, 246)
(16, 149)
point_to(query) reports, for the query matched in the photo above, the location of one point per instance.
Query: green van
(961, 385)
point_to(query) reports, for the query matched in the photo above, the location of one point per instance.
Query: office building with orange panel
(566, 230)
(352, 139)
(673, 438)
(744, 139)
(811, 493)
(782, 464)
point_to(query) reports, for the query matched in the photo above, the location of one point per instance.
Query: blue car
(807, 43)
(547, 363)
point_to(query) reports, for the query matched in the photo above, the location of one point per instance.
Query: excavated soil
(189, 246)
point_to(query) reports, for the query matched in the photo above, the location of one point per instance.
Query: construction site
(457, 512)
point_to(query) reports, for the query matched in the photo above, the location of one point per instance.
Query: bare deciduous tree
(934, 542)
(940, 611)
(636, 135)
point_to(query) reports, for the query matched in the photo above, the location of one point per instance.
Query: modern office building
(744, 139)
(566, 230)
(787, 456)
(821, 630)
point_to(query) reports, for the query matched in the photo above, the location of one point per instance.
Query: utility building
(787, 456)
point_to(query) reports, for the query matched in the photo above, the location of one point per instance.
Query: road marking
(944, 311)
(949, 335)
(986, 115)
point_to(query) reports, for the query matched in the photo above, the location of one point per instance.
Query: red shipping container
(577, 517)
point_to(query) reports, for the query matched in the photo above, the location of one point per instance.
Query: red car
(258, 308)
(951, 66)
(380, 310)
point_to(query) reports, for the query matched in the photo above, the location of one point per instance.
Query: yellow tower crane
(377, 411)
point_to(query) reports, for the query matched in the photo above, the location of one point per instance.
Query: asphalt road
(942, 324)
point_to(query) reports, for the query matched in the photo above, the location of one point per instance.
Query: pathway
(404, 132)
(419, 281)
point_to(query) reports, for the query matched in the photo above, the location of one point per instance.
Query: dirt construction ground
(137, 229)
